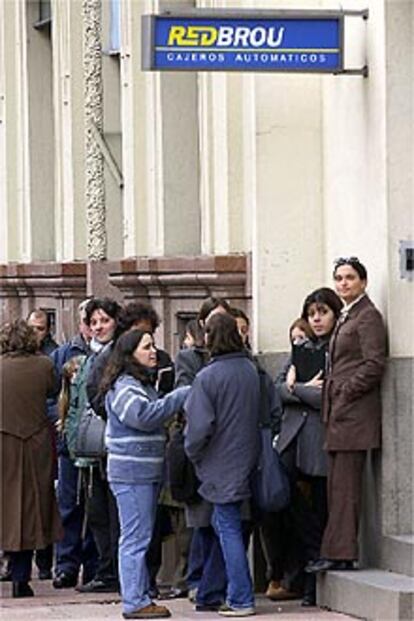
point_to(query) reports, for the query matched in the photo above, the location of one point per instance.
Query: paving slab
(60, 605)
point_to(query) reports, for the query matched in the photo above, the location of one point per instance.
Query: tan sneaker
(152, 611)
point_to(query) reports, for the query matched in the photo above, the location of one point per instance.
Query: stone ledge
(370, 594)
(42, 269)
(397, 554)
(194, 277)
(179, 264)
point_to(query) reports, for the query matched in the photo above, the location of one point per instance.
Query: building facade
(172, 186)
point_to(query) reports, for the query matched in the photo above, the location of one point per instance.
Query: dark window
(51, 319)
(182, 319)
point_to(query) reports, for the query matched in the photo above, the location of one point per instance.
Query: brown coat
(351, 397)
(29, 517)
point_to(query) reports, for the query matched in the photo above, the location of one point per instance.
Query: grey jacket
(302, 429)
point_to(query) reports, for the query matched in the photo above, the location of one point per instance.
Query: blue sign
(284, 43)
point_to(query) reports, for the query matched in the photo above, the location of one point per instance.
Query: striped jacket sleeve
(133, 407)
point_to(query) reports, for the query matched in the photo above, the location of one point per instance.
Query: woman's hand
(316, 381)
(291, 378)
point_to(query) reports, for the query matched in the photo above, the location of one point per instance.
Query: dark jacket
(302, 430)
(188, 362)
(351, 396)
(48, 345)
(222, 427)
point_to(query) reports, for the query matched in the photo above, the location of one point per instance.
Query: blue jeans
(136, 507)
(212, 583)
(228, 525)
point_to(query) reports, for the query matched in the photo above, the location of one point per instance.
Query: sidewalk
(50, 604)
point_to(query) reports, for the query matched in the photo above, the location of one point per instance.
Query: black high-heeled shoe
(22, 589)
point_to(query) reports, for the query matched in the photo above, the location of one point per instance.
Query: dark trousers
(183, 536)
(345, 470)
(77, 547)
(195, 560)
(44, 558)
(292, 537)
(104, 523)
(20, 564)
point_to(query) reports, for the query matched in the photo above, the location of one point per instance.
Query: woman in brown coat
(351, 411)
(29, 517)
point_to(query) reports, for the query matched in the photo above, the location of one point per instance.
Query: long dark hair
(222, 335)
(326, 296)
(196, 331)
(122, 361)
(209, 305)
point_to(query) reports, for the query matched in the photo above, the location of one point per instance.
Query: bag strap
(264, 411)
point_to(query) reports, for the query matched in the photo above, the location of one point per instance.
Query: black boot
(22, 589)
(309, 590)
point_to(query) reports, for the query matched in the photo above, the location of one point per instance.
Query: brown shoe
(152, 611)
(273, 587)
(279, 593)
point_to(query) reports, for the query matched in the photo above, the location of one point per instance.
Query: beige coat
(29, 517)
(351, 396)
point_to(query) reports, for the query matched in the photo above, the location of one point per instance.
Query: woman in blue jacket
(135, 439)
(221, 441)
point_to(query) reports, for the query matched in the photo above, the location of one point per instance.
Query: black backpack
(180, 471)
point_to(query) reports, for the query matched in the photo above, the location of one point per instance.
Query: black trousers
(292, 537)
(44, 558)
(20, 565)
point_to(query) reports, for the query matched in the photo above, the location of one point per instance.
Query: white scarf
(96, 346)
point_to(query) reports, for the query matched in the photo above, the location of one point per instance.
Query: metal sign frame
(149, 22)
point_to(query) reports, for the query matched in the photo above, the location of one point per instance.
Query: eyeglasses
(346, 261)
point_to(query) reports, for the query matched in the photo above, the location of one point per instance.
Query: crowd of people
(98, 523)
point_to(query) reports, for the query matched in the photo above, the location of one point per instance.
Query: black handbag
(270, 483)
(90, 439)
(182, 478)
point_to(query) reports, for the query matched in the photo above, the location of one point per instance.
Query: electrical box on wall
(407, 259)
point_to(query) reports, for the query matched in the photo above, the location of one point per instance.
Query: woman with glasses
(351, 411)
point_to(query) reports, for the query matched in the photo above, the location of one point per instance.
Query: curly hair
(139, 311)
(17, 337)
